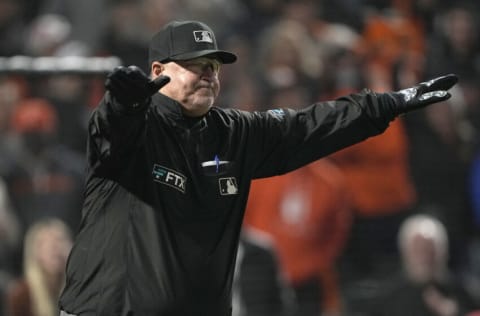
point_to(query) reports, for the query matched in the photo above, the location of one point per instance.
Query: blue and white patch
(279, 114)
(169, 177)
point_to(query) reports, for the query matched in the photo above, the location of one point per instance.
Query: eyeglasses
(201, 64)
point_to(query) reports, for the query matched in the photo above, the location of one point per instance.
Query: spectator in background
(444, 141)
(377, 171)
(51, 35)
(378, 177)
(11, 28)
(69, 96)
(344, 12)
(123, 33)
(46, 179)
(156, 13)
(12, 91)
(307, 214)
(84, 17)
(239, 81)
(426, 287)
(9, 242)
(288, 57)
(260, 14)
(46, 247)
(259, 288)
(390, 37)
(454, 45)
(423, 12)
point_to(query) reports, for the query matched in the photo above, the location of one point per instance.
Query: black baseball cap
(186, 40)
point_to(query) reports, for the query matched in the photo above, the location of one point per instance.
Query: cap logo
(203, 36)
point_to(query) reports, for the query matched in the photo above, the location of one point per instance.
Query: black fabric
(159, 233)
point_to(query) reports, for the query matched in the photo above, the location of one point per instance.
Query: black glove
(130, 86)
(426, 93)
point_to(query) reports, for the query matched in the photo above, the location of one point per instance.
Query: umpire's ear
(156, 69)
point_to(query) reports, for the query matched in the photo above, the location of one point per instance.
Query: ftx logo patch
(203, 36)
(169, 177)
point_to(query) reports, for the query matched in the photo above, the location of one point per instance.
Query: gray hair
(428, 227)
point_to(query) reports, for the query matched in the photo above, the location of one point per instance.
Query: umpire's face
(194, 83)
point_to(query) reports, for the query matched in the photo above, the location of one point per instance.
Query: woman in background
(46, 247)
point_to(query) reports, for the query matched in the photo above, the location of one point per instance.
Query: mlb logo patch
(228, 186)
(203, 36)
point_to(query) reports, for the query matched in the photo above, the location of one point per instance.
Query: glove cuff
(400, 103)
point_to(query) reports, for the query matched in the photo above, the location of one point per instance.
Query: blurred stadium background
(54, 55)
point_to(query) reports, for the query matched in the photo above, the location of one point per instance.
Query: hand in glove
(130, 86)
(426, 93)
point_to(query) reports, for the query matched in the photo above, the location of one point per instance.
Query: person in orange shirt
(383, 194)
(307, 212)
(392, 40)
(378, 173)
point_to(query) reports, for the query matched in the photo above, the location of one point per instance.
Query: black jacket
(165, 197)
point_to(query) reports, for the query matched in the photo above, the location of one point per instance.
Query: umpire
(168, 176)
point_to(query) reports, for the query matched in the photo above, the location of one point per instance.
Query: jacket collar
(173, 110)
(167, 106)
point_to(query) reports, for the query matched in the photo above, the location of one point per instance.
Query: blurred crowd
(390, 226)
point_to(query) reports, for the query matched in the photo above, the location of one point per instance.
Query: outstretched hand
(426, 93)
(131, 86)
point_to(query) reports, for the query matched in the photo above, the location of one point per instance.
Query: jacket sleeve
(286, 139)
(113, 134)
